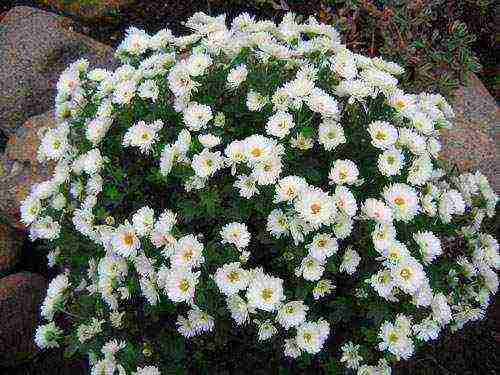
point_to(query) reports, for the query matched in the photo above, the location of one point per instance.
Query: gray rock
(35, 47)
(20, 296)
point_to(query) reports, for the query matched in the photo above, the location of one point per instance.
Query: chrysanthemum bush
(254, 177)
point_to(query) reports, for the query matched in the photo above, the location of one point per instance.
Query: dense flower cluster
(301, 96)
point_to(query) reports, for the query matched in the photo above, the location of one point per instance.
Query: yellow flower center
(315, 208)
(233, 276)
(128, 240)
(184, 286)
(266, 294)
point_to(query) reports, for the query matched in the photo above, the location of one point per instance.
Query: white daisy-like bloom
(379, 79)
(351, 356)
(322, 288)
(396, 252)
(311, 336)
(408, 275)
(238, 309)
(124, 92)
(265, 292)
(148, 90)
(206, 163)
(197, 116)
(247, 186)
(125, 241)
(344, 64)
(377, 210)
(342, 227)
(56, 294)
(441, 311)
(201, 320)
(383, 134)
(323, 245)
(236, 234)
(423, 296)
(188, 253)
(315, 207)
(383, 236)
(413, 141)
(237, 75)
(395, 340)
(30, 209)
(266, 330)
(185, 327)
(402, 102)
(299, 88)
(142, 135)
(86, 332)
(235, 152)
(54, 144)
(420, 171)
(345, 201)
(44, 228)
(278, 223)
(198, 63)
(422, 122)
(355, 89)
(255, 101)
(387, 66)
(47, 336)
(143, 221)
(96, 129)
(288, 188)
(350, 261)
(310, 269)
(231, 278)
(390, 162)
(259, 148)
(330, 134)
(179, 283)
(91, 162)
(292, 314)
(279, 124)
(291, 348)
(427, 330)
(383, 284)
(209, 140)
(268, 171)
(319, 101)
(180, 82)
(429, 244)
(136, 42)
(147, 370)
(343, 172)
(486, 251)
(451, 203)
(403, 200)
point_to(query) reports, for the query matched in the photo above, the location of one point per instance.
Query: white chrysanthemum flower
(209, 140)
(30, 209)
(180, 82)
(185, 327)
(237, 75)
(310, 269)
(323, 245)
(427, 330)
(451, 203)
(402, 102)
(343, 172)
(344, 64)
(277, 223)
(319, 101)
(124, 92)
(54, 144)
(429, 244)
(408, 275)
(125, 241)
(143, 221)
(422, 122)
(91, 162)
(330, 134)
(323, 288)
(188, 253)
(413, 141)
(403, 200)
(179, 283)
(351, 356)
(136, 42)
(395, 340)
(383, 236)
(197, 116)
(198, 63)
(265, 292)
(236, 234)
(292, 314)
(396, 252)
(56, 294)
(266, 330)
(279, 124)
(206, 163)
(342, 227)
(391, 162)
(288, 188)
(377, 210)
(316, 207)
(255, 101)
(301, 142)
(383, 284)
(291, 348)
(247, 186)
(311, 336)
(441, 311)
(420, 171)
(44, 228)
(268, 171)
(201, 321)
(235, 152)
(259, 148)
(86, 332)
(148, 90)
(350, 261)
(383, 134)
(47, 336)
(231, 278)
(238, 309)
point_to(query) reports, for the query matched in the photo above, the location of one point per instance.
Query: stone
(35, 47)
(472, 144)
(19, 167)
(88, 10)
(10, 247)
(20, 297)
